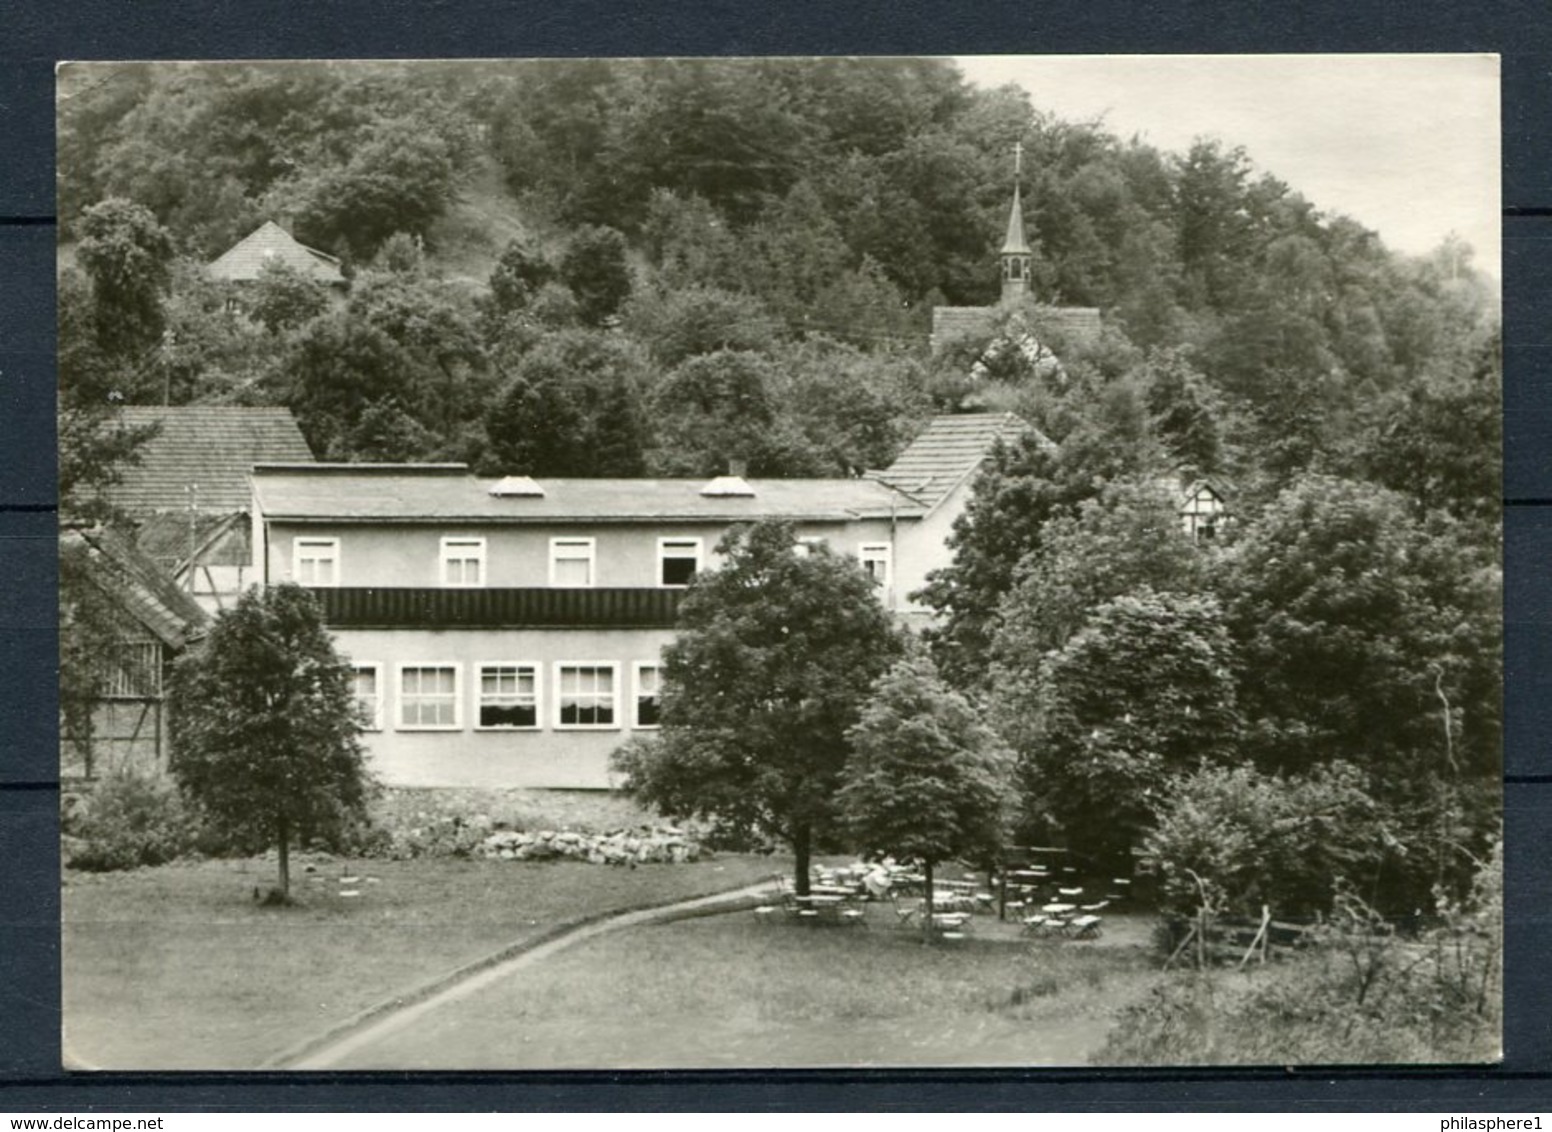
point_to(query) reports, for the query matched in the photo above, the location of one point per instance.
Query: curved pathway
(327, 1050)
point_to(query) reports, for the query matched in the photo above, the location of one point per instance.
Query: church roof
(270, 243)
(948, 450)
(1014, 243)
(1076, 324)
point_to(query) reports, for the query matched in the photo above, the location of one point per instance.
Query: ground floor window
(428, 696)
(649, 681)
(136, 673)
(509, 695)
(585, 695)
(369, 694)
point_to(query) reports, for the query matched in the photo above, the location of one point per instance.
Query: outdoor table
(1059, 909)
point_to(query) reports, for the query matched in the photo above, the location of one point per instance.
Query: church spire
(1015, 249)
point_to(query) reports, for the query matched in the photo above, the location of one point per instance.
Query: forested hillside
(729, 259)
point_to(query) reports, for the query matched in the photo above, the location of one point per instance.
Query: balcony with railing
(371, 607)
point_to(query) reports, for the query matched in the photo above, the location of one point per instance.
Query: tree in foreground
(927, 779)
(265, 725)
(774, 657)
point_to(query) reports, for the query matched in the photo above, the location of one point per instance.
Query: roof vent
(728, 486)
(517, 487)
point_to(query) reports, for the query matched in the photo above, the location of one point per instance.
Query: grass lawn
(731, 990)
(178, 968)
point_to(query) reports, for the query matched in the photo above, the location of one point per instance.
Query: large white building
(509, 632)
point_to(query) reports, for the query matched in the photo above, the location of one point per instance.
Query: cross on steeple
(1018, 158)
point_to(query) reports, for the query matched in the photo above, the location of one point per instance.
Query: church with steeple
(1072, 323)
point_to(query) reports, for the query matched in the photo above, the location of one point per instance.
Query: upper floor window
(678, 560)
(875, 559)
(428, 697)
(463, 562)
(807, 545)
(509, 695)
(315, 561)
(369, 694)
(571, 562)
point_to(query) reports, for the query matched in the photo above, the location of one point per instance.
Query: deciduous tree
(926, 779)
(774, 657)
(1142, 693)
(266, 726)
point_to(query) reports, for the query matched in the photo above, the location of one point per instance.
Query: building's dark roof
(202, 455)
(447, 493)
(1077, 324)
(145, 591)
(270, 243)
(1014, 243)
(948, 450)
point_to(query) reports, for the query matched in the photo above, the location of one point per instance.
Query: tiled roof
(948, 450)
(448, 493)
(146, 592)
(1078, 324)
(242, 262)
(206, 448)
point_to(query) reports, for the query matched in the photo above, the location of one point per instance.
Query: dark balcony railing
(390, 608)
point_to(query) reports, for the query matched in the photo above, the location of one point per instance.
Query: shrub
(1362, 993)
(1256, 839)
(131, 820)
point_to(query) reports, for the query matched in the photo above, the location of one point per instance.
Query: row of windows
(573, 561)
(508, 696)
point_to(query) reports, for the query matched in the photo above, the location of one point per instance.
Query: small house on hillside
(189, 495)
(1203, 509)
(272, 244)
(153, 621)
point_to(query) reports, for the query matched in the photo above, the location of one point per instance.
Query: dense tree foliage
(127, 256)
(574, 408)
(1244, 840)
(775, 654)
(1142, 693)
(1360, 626)
(266, 725)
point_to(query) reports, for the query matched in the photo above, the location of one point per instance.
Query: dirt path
(327, 1050)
